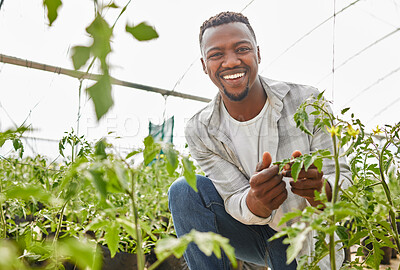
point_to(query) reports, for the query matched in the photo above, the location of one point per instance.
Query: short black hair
(224, 18)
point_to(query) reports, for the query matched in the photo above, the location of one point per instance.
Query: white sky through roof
(366, 40)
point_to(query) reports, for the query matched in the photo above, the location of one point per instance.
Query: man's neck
(249, 107)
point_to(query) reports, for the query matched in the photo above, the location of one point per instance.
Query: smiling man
(234, 139)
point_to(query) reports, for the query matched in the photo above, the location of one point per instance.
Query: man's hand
(307, 182)
(267, 190)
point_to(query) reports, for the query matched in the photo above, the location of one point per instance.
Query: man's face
(230, 57)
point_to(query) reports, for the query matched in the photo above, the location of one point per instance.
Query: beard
(236, 97)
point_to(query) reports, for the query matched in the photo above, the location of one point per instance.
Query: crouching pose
(234, 139)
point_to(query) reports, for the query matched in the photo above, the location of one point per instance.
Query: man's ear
(204, 65)
(258, 54)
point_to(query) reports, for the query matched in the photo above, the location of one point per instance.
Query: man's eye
(243, 49)
(215, 55)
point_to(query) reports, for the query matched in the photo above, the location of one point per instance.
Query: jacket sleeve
(230, 183)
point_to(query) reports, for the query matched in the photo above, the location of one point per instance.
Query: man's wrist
(256, 207)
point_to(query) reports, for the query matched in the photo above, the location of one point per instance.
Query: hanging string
(79, 107)
(372, 85)
(384, 109)
(333, 52)
(361, 51)
(251, 2)
(307, 34)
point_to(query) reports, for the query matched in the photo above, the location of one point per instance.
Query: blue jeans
(205, 212)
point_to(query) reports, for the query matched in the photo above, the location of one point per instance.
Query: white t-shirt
(248, 137)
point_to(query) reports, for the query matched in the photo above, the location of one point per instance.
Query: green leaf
(131, 154)
(112, 237)
(99, 183)
(17, 144)
(123, 177)
(345, 110)
(355, 239)
(318, 163)
(100, 92)
(151, 149)
(27, 193)
(101, 33)
(316, 113)
(385, 239)
(84, 253)
(342, 232)
(296, 168)
(172, 246)
(296, 244)
(289, 216)
(207, 242)
(308, 161)
(52, 7)
(189, 173)
(210, 243)
(128, 226)
(80, 55)
(142, 31)
(71, 191)
(100, 149)
(96, 224)
(10, 255)
(112, 5)
(172, 160)
(320, 95)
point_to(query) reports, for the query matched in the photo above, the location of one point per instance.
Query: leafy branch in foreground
(334, 216)
(101, 33)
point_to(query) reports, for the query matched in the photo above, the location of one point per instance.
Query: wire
(372, 85)
(309, 32)
(27, 164)
(8, 115)
(333, 49)
(366, 48)
(360, 52)
(251, 2)
(384, 109)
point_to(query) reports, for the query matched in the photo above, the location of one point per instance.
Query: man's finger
(265, 163)
(307, 184)
(295, 154)
(265, 175)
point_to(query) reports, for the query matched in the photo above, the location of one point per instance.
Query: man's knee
(181, 192)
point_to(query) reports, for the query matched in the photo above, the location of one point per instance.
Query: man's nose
(230, 60)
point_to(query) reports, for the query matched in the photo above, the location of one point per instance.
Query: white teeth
(233, 76)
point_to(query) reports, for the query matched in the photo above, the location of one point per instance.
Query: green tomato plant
(363, 214)
(56, 213)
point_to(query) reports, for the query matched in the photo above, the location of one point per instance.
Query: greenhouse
(201, 135)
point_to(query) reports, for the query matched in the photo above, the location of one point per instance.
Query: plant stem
(3, 223)
(3, 217)
(139, 249)
(392, 215)
(332, 251)
(335, 193)
(59, 223)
